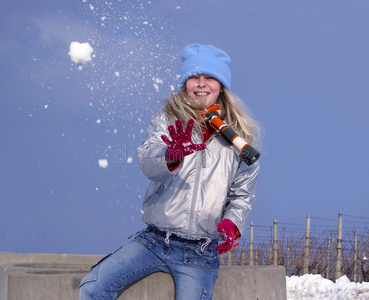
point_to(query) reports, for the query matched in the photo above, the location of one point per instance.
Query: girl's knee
(93, 290)
(88, 287)
(86, 291)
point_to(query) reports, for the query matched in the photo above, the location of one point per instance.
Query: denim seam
(121, 279)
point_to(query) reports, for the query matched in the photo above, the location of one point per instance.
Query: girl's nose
(202, 81)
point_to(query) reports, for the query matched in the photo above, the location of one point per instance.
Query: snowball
(80, 52)
(157, 80)
(103, 163)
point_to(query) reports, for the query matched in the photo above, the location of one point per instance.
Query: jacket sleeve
(151, 153)
(241, 195)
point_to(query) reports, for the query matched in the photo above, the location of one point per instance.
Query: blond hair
(177, 106)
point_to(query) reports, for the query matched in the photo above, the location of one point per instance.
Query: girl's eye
(196, 77)
(205, 77)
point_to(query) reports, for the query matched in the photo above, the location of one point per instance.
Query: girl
(200, 190)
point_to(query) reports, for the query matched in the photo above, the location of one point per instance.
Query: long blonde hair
(233, 109)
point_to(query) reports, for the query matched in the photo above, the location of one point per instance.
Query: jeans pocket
(147, 238)
(93, 275)
(194, 257)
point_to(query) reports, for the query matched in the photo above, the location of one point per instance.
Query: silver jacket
(207, 187)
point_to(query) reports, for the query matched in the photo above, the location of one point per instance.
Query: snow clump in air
(103, 163)
(80, 52)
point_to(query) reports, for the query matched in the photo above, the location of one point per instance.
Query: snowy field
(309, 287)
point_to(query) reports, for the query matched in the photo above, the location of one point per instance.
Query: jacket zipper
(203, 158)
(194, 197)
(196, 187)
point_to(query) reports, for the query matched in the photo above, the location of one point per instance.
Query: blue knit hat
(206, 59)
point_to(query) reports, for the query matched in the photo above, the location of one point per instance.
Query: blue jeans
(193, 266)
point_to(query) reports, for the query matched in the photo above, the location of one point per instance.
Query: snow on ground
(309, 287)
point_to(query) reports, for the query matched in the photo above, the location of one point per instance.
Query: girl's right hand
(181, 143)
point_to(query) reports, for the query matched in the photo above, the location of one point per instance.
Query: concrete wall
(57, 276)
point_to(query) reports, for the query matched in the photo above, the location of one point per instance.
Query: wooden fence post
(328, 255)
(251, 244)
(275, 245)
(355, 258)
(288, 259)
(243, 256)
(339, 247)
(230, 258)
(307, 245)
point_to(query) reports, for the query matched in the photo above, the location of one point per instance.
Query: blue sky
(301, 67)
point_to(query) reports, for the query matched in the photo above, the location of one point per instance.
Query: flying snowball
(156, 87)
(103, 163)
(80, 52)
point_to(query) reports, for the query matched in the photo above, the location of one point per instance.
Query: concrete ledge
(7, 258)
(59, 275)
(44, 281)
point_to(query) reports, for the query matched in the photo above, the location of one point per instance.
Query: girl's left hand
(229, 234)
(181, 143)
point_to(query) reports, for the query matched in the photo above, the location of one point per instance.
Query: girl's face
(203, 90)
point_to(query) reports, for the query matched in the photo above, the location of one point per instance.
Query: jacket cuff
(172, 166)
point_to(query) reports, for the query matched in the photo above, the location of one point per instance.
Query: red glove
(229, 234)
(181, 144)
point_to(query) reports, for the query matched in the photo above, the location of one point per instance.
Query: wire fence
(317, 246)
